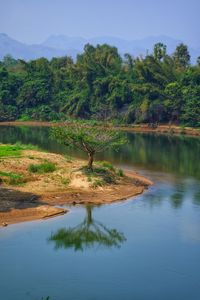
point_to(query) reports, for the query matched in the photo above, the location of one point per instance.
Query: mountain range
(60, 45)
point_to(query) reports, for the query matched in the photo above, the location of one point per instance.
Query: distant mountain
(60, 45)
(135, 47)
(27, 52)
(64, 42)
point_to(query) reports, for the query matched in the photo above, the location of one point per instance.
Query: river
(145, 248)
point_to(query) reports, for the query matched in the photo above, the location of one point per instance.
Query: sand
(37, 196)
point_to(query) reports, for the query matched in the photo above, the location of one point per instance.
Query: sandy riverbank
(37, 195)
(162, 129)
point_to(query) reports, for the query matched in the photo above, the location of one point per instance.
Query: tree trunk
(90, 160)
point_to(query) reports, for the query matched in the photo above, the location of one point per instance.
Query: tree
(159, 51)
(89, 139)
(182, 56)
(198, 61)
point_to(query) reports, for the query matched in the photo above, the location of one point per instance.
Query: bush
(12, 178)
(106, 165)
(46, 167)
(120, 173)
(97, 183)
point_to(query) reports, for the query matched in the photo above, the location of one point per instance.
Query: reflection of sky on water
(190, 231)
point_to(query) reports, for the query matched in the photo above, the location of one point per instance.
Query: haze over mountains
(60, 45)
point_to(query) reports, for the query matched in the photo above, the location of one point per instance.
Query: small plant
(120, 173)
(100, 176)
(106, 165)
(12, 178)
(46, 167)
(65, 181)
(68, 158)
(97, 183)
(109, 178)
(24, 118)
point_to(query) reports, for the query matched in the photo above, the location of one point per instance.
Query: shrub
(65, 181)
(46, 167)
(12, 178)
(106, 165)
(97, 183)
(120, 173)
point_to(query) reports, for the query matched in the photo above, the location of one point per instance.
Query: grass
(12, 178)
(120, 173)
(106, 164)
(46, 167)
(65, 181)
(14, 150)
(103, 173)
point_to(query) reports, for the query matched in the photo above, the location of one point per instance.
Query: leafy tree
(101, 85)
(159, 51)
(89, 139)
(182, 56)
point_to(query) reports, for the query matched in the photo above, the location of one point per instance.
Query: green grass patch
(46, 167)
(120, 173)
(100, 176)
(12, 178)
(103, 173)
(65, 181)
(106, 164)
(9, 150)
(15, 150)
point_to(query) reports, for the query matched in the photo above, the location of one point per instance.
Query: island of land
(36, 185)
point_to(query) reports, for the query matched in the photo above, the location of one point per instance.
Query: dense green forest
(101, 85)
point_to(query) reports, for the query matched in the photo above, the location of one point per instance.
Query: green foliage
(102, 86)
(9, 150)
(106, 165)
(120, 172)
(182, 56)
(102, 174)
(46, 167)
(89, 139)
(14, 150)
(12, 178)
(65, 181)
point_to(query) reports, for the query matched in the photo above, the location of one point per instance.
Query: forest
(104, 86)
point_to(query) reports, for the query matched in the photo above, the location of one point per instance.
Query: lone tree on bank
(89, 139)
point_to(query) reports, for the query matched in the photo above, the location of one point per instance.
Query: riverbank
(33, 182)
(161, 129)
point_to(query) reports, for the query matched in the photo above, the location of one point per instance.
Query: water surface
(145, 248)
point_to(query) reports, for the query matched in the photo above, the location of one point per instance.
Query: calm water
(146, 248)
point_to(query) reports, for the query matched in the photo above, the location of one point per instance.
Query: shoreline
(39, 195)
(46, 207)
(143, 128)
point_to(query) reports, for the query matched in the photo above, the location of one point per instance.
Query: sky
(32, 21)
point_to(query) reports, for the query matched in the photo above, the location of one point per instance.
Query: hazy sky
(34, 20)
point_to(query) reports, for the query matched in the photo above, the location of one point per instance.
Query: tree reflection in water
(86, 235)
